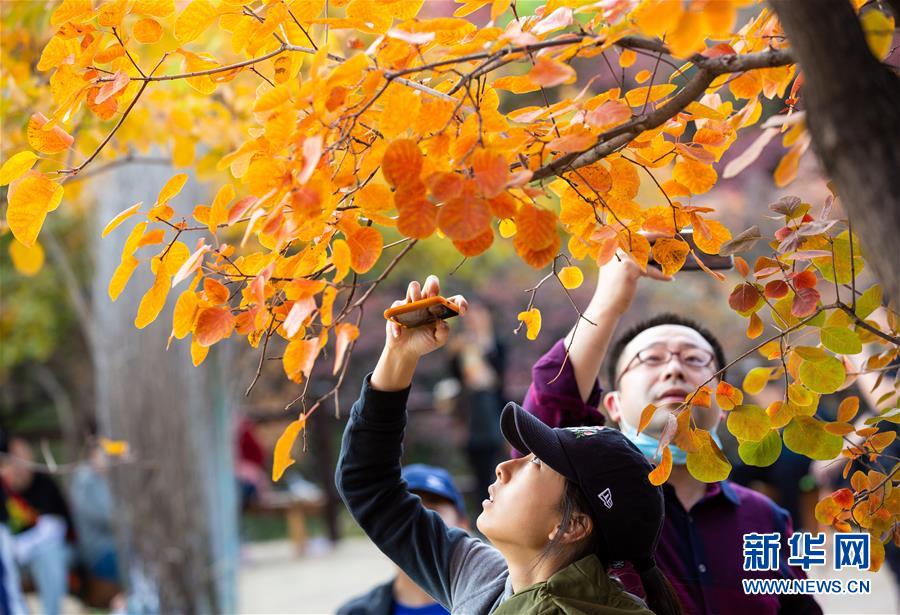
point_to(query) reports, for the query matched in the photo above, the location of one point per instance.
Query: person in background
(660, 361)
(401, 595)
(478, 361)
(12, 602)
(92, 511)
(250, 463)
(41, 525)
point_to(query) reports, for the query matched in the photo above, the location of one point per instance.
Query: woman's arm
(368, 473)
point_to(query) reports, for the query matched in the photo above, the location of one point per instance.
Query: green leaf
(841, 260)
(892, 415)
(824, 376)
(868, 301)
(707, 464)
(811, 353)
(763, 453)
(749, 422)
(805, 435)
(841, 341)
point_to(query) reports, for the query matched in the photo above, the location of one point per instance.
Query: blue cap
(433, 480)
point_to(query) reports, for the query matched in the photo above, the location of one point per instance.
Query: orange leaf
(848, 409)
(417, 218)
(702, 397)
(111, 88)
(670, 254)
(463, 218)
(610, 113)
(536, 227)
(213, 324)
(299, 312)
(50, 141)
(646, 414)
(660, 473)
(727, 396)
(695, 176)
(787, 167)
(299, 358)
(491, 172)
(754, 327)
(365, 245)
(340, 257)
(147, 31)
(444, 186)
(477, 245)
(402, 162)
(345, 333)
(281, 459)
(538, 258)
(215, 291)
(550, 73)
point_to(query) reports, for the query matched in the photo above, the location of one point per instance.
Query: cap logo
(584, 432)
(606, 497)
(435, 483)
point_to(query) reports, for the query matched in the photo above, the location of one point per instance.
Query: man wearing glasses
(659, 361)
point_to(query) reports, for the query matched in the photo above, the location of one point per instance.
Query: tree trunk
(853, 115)
(176, 501)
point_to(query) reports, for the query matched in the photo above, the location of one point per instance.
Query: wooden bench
(294, 509)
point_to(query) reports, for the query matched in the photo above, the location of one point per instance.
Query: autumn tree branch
(708, 69)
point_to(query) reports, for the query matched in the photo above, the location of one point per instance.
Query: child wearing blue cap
(401, 595)
(577, 504)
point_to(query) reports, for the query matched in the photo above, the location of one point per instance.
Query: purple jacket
(701, 550)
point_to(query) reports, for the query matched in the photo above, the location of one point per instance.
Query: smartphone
(421, 312)
(712, 261)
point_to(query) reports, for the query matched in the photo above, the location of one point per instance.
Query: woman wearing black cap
(558, 518)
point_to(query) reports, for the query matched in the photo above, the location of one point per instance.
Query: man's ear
(611, 403)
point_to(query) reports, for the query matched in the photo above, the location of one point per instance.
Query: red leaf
(805, 302)
(744, 297)
(805, 279)
(776, 289)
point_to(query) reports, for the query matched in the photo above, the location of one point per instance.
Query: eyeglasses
(655, 356)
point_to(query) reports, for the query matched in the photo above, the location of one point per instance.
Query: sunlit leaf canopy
(336, 135)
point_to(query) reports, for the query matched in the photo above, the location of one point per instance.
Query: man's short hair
(668, 318)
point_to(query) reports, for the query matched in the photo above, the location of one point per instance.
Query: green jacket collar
(581, 588)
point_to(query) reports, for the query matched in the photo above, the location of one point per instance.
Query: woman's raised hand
(418, 341)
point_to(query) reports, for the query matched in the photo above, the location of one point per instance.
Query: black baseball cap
(611, 473)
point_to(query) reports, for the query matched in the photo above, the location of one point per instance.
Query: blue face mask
(648, 445)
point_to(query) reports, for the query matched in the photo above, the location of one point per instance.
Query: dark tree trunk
(853, 115)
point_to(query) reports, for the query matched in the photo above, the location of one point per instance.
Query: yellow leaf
(627, 58)
(754, 327)
(57, 51)
(16, 166)
(198, 352)
(121, 276)
(185, 313)
(879, 30)
(756, 379)
(183, 152)
(340, 256)
(638, 96)
(30, 198)
(571, 277)
(172, 187)
(114, 448)
(689, 36)
(134, 239)
(27, 260)
(71, 10)
(154, 299)
(193, 20)
(325, 311)
(532, 320)
(219, 207)
(120, 217)
(282, 459)
(660, 473)
(507, 228)
(657, 17)
(707, 463)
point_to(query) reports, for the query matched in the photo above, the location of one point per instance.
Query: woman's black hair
(660, 595)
